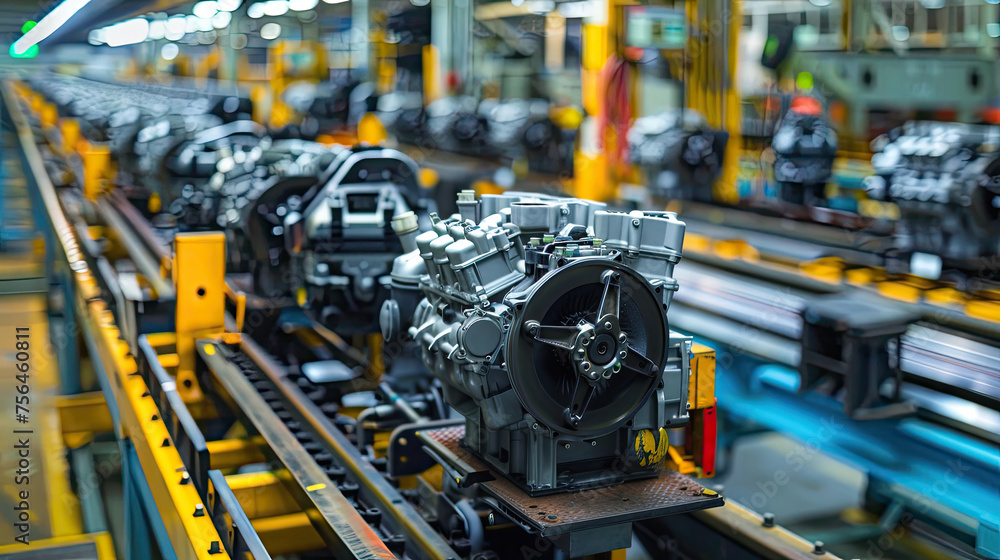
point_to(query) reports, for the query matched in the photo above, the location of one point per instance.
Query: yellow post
(48, 116)
(711, 90)
(259, 98)
(70, 129)
(199, 275)
(96, 170)
(701, 385)
(375, 361)
(35, 101)
(371, 130)
(725, 187)
(591, 175)
(432, 74)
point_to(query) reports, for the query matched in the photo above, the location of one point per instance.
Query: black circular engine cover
(544, 377)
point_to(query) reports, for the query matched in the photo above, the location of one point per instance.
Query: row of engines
(513, 128)
(543, 318)
(299, 216)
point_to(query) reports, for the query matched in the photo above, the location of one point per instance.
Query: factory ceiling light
(96, 37)
(52, 21)
(205, 9)
(221, 20)
(128, 32)
(270, 31)
(176, 27)
(256, 10)
(574, 10)
(275, 8)
(169, 51)
(157, 29)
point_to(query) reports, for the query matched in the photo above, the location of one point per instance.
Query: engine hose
(472, 521)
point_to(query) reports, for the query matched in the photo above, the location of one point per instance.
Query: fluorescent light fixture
(176, 27)
(52, 21)
(335, 1)
(128, 32)
(270, 31)
(96, 36)
(229, 5)
(170, 51)
(900, 33)
(194, 24)
(221, 20)
(275, 8)
(157, 29)
(301, 5)
(256, 10)
(205, 9)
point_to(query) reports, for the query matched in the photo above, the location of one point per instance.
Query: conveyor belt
(305, 440)
(765, 319)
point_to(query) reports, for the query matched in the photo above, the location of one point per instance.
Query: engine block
(945, 179)
(546, 321)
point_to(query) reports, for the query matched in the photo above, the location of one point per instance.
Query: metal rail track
(305, 440)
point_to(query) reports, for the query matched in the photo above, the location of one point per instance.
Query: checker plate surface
(554, 514)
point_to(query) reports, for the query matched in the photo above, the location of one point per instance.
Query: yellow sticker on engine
(651, 447)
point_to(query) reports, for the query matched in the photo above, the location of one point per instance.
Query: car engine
(546, 321)
(805, 145)
(944, 178)
(679, 154)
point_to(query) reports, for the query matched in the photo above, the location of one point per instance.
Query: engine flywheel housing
(589, 347)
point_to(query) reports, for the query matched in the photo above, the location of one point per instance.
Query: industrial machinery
(306, 225)
(680, 156)
(546, 320)
(275, 328)
(327, 109)
(299, 406)
(945, 179)
(804, 146)
(505, 130)
(339, 242)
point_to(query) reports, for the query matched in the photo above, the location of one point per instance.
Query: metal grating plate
(554, 514)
